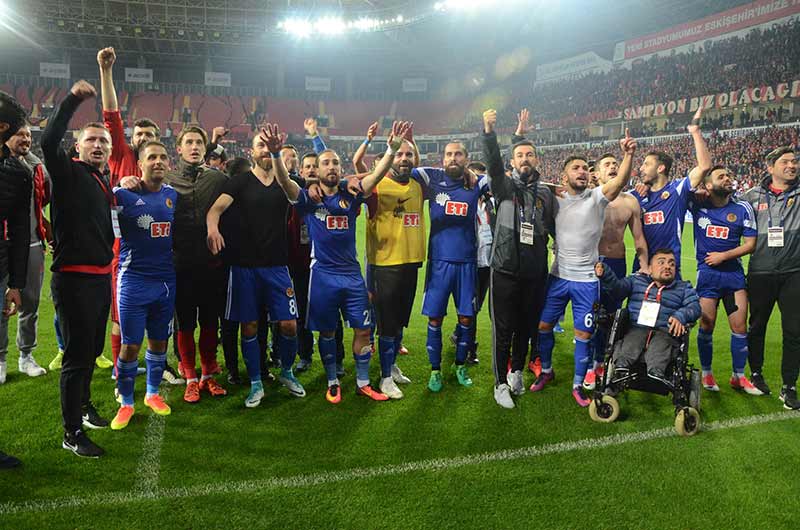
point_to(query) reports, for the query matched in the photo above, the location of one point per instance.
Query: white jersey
(579, 226)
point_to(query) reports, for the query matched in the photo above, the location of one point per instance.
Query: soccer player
(146, 280)
(122, 163)
(664, 202)
(720, 224)
(579, 227)
(773, 274)
(452, 255)
(259, 276)
(621, 213)
(336, 282)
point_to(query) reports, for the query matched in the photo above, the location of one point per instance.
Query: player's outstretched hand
(106, 58)
(489, 120)
(218, 133)
(676, 329)
(215, 242)
(83, 90)
(399, 131)
(273, 137)
(410, 133)
(523, 119)
(694, 126)
(599, 269)
(310, 125)
(628, 144)
(372, 130)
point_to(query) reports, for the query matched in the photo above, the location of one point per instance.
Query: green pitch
(452, 460)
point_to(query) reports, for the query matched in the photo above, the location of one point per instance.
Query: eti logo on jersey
(410, 220)
(161, 229)
(653, 218)
(456, 208)
(337, 222)
(717, 232)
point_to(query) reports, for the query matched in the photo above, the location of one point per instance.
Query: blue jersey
(663, 215)
(720, 230)
(145, 221)
(452, 209)
(332, 229)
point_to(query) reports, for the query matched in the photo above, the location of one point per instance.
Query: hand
(354, 185)
(371, 131)
(642, 189)
(599, 269)
(215, 242)
(522, 122)
(489, 120)
(315, 192)
(273, 138)
(628, 144)
(644, 270)
(310, 125)
(130, 183)
(396, 137)
(83, 90)
(217, 133)
(676, 329)
(410, 133)
(714, 258)
(106, 58)
(694, 126)
(13, 300)
(470, 179)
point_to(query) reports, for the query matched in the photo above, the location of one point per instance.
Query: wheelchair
(683, 381)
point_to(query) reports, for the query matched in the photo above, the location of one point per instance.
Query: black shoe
(267, 377)
(234, 379)
(789, 398)
(93, 420)
(758, 381)
(81, 445)
(302, 365)
(619, 373)
(658, 376)
(8, 461)
(472, 357)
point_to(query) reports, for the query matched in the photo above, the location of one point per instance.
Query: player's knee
(327, 334)
(249, 329)
(129, 352)
(707, 323)
(361, 334)
(545, 326)
(465, 321)
(288, 328)
(583, 335)
(435, 322)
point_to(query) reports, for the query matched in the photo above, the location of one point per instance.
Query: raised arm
(704, 163)
(396, 139)
(358, 156)
(639, 241)
(55, 158)
(274, 140)
(618, 288)
(310, 125)
(106, 59)
(613, 187)
(491, 154)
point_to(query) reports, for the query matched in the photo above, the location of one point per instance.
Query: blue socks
(155, 363)
(386, 350)
(362, 366)
(546, 344)
(251, 357)
(463, 343)
(126, 378)
(327, 352)
(739, 352)
(705, 347)
(582, 358)
(287, 349)
(434, 347)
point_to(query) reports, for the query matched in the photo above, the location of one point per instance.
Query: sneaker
(340, 369)
(117, 396)
(558, 328)
(543, 379)
(390, 389)
(192, 392)
(255, 396)
(742, 383)
(435, 381)
(103, 362)
(516, 383)
(462, 375)
(402, 350)
(502, 395)
(123, 417)
(157, 405)
(91, 419)
(211, 386)
(302, 365)
(758, 381)
(3, 372)
(334, 394)
(600, 371)
(472, 357)
(580, 399)
(590, 381)
(172, 377)
(29, 367)
(369, 392)
(789, 398)
(181, 371)
(535, 366)
(291, 383)
(658, 376)
(81, 445)
(398, 376)
(8, 461)
(234, 379)
(709, 383)
(55, 364)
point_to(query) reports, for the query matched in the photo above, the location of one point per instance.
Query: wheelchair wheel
(695, 389)
(606, 412)
(687, 421)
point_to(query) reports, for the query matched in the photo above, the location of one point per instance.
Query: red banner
(712, 26)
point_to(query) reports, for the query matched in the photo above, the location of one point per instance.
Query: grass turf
(738, 477)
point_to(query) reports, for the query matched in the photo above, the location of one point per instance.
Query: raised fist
(489, 120)
(106, 58)
(83, 90)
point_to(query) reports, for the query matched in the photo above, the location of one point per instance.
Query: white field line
(149, 466)
(439, 464)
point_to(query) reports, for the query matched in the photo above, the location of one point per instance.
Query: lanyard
(658, 294)
(520, 199)
(783, 208)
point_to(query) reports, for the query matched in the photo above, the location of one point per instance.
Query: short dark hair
(290, 146)
(237, 166)
(603, 157)
(522, 143)
(572, 158)
(93, 125)
(192, 129)
(12, 113)
(663, 160)
(147, 122)
(150, 144)
(661, 251)
(462, 144)
(707, 176)
(326, 151)
(775, 154)
(477, 166)
(312, 154)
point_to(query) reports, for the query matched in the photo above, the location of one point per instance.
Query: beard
(454, 171)
(722, 193)
(265, 163)
(402, 172)
(525, 172)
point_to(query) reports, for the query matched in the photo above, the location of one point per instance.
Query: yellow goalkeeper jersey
(396, 226)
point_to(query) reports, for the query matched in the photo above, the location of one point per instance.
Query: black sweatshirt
(81, 205)
(15, 204)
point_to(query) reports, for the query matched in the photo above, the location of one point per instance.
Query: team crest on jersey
(790, 202)
(442, 198)
(539, 204)
(289, 292)
(344, 204)
(665, 195)
(321, 213)
(731, 218)
(144, 221)
(169, 202)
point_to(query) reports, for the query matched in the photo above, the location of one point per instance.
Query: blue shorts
(619, 267)
(145, 304)
(250, 289)
(583, 295)
(444, 278)
(330, 293)
(717, 284)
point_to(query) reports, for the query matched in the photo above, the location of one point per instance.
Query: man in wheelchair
(661, 310)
